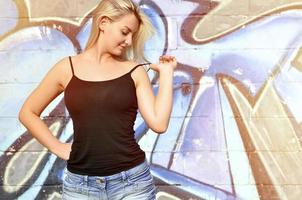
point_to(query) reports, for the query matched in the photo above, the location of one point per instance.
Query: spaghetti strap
(138, 66)
(71, 65)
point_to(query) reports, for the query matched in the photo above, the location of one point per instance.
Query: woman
(103, 88)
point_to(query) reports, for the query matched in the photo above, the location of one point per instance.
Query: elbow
(21, 116)
(160, 129)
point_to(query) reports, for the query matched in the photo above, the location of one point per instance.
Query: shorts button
(100, 181)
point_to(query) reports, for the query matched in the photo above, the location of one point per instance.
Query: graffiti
(235, 129)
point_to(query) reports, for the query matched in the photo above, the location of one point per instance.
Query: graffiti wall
(235, 129)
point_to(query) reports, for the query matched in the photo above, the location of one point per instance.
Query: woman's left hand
(165, 63)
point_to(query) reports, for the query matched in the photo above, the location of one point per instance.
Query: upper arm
(145, 98)
(47, 90)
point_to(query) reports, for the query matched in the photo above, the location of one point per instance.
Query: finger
(170, 58)
(152, 65)
(164, 59)
(161, 58)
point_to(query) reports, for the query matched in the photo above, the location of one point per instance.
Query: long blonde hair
(115, 9)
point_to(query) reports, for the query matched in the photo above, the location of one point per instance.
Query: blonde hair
(115, 9)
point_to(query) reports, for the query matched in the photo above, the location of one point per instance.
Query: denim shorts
(136, 183)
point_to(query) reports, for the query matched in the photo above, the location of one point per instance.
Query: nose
(129, 40)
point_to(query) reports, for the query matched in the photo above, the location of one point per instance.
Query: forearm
(164, 98)
(38, 129)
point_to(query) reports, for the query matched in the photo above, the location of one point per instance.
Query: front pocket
(73, 182)
(141, 178)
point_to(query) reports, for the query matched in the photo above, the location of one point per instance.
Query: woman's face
(119, 34)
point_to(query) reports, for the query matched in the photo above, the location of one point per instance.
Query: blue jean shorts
(136, 183)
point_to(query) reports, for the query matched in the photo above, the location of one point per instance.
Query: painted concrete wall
(235, 130)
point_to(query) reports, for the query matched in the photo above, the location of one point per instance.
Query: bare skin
(102, 62)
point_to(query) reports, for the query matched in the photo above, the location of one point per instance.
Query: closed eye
(124, 33)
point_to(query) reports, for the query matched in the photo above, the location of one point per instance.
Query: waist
(116, 176)
(104, 165)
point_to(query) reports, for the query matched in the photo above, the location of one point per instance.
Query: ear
(104, 21)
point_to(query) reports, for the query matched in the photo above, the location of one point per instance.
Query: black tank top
(103, 115)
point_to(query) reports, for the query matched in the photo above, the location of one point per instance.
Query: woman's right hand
(63, 150)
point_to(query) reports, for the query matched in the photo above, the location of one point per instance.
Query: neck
(98, 52)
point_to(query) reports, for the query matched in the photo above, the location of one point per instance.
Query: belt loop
(124, 175)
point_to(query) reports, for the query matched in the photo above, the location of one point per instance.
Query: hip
(134, 183)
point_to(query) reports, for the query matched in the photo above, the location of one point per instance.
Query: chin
(118, 52)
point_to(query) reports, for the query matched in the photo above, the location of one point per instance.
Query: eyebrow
(128, 28)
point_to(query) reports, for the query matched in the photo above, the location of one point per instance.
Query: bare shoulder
(139, 74)
(64, 71)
